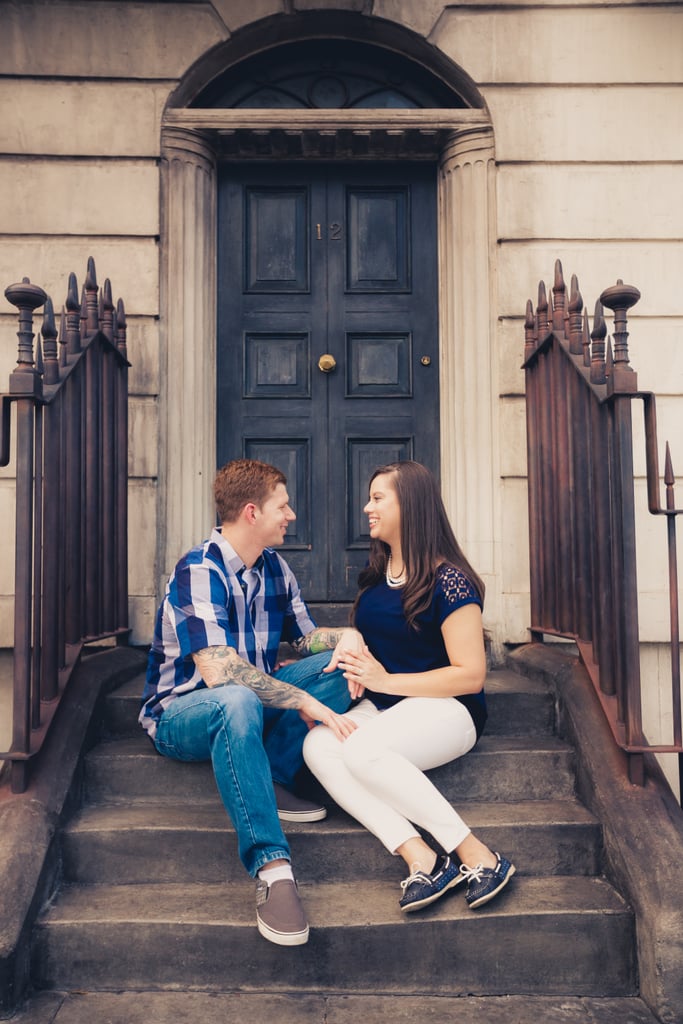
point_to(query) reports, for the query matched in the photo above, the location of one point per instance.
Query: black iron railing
(579, 396)
(70, 396)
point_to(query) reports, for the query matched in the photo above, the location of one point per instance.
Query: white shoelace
(472, 874)
(416, 875)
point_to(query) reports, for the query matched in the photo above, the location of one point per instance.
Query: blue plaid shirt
(212, 600)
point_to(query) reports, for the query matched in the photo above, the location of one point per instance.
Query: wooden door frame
(191, 143)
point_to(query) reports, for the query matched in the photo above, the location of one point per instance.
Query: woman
(419, 683)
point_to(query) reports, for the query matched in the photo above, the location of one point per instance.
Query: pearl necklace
(394, 581)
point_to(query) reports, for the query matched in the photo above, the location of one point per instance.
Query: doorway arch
(195, 138)
(268, 35)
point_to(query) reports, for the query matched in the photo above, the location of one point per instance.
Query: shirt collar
(230, 557)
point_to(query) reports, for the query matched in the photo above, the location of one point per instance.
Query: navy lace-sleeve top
(400, 648)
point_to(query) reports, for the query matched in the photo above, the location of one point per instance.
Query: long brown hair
(427, 540)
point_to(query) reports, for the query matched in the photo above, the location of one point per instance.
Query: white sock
(270, 875)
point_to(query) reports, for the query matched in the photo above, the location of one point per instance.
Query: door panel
(378, 230)
(275, 240)
(277, 365)
(338, 261)
(378, 364)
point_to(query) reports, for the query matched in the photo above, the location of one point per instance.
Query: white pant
(376, 774)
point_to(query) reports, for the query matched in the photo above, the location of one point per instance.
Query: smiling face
(383, 511)
(273, 517)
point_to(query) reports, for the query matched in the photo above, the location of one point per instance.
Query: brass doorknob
(327, 363)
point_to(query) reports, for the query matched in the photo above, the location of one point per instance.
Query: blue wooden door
(327, 343)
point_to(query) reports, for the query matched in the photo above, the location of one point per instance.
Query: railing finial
(669, 478)
(559, 290)
(73, 317)
(529, 329)
(84, 314)
(91, 303)
(40, 366)
(598, 335)
(575, 318)
(107, 310)
(49, 332)
(542, 311)
(26, 297)
(619, 298)
(62, 338)
(121, 328)
(586, 340)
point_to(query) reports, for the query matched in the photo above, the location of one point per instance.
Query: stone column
(187, 457)
(468, 401)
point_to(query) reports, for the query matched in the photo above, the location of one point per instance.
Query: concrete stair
(154, 899)
(189, 934)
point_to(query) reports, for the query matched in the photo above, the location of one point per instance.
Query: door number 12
(334, 231)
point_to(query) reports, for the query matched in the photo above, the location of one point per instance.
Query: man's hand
(285, 661)
(313, 712)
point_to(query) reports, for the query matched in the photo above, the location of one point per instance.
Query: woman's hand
(362, 670)
(349, 640)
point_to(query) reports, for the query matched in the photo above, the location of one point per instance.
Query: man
(214, 689)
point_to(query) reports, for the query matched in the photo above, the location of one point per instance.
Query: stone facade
(580, 159)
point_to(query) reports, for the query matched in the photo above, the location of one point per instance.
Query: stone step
(120, 843)
(293, 1008)
(561, 935)
(517, 706)
(499, 769)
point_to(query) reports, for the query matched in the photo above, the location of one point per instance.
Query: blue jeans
(249, 746)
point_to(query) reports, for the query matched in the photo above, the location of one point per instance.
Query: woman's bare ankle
(417, 855)
(473, 852)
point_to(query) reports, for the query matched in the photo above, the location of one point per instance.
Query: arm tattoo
(220, 665)
(321, 639)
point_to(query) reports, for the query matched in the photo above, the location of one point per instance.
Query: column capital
(467, 145)
(188, 145)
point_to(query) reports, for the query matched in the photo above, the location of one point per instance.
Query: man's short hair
(243, 481)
